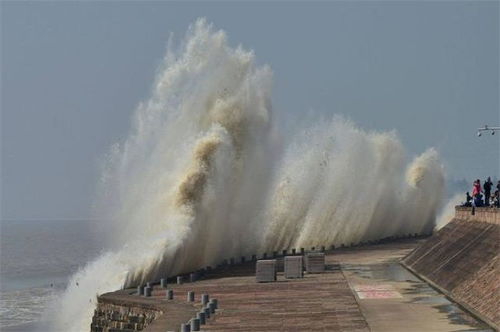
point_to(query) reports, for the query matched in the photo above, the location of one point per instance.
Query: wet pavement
(393, 299)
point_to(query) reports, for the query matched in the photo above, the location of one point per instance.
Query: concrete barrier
(315, 262)
(190, 296)
(185, 328)
(180, 280)
(265, 270)
(201, 316)
(170, 294)
(140, 290)
(195, 324)
(204, 299)
(293, 267)
(147, 291)
(163, 283)
(206, 310)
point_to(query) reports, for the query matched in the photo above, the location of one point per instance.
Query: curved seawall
(461, 260)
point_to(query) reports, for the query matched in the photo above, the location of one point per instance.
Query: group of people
(490, 199)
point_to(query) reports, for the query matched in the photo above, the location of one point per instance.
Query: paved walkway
(363, 289)
(318, 302)
(393, 299)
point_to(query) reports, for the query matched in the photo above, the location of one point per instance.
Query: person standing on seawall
(476, 194)
(497, 195)
(487, 191)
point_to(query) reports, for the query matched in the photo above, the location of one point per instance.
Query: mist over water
(208, 172)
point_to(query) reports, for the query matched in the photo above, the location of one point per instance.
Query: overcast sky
(73, 73)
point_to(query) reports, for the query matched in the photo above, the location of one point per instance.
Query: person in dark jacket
(468, 199)
(487, 191)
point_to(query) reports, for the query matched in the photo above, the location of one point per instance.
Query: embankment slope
(462, 260)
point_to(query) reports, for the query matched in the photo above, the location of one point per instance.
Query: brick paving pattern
(318, 302)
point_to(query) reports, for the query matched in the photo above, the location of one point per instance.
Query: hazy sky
(73, 73)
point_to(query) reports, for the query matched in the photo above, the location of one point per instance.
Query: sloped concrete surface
(462, 260)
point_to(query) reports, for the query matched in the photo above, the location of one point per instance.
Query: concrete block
(147, 291)
(293, 267)
(195, 324)
(265, 270)
(190, 296)
(206, 310)
(315, 262)
(204, 299)
(201, 316)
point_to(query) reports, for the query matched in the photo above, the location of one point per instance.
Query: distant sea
(36, 260)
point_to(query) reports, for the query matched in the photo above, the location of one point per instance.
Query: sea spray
(205, 175)
(448, 211)
(339, 184)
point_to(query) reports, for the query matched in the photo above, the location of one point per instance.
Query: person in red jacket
(476, 193)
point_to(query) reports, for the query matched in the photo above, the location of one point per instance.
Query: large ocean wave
(208, 172)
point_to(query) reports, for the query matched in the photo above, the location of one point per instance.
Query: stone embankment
(125, 311)
(108, 317)
(461, 260)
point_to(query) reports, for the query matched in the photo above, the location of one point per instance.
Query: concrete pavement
(393, 299)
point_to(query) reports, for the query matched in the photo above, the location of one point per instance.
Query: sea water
(36, 260)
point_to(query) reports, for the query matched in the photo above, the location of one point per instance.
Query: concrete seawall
(124, 311)
(461, 260)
